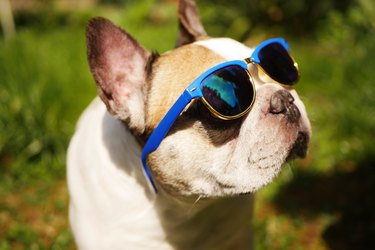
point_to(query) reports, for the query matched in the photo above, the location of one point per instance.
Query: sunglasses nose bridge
(248, 60)
(257, 74)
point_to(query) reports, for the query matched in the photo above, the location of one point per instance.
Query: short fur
(206, 169)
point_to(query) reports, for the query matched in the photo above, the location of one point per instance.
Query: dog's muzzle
(282, 102)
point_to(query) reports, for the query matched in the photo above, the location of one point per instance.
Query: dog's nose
(282, 102)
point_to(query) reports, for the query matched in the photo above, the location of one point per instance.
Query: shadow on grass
(348, 195)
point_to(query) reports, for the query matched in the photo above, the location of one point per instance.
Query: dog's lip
(299, 148)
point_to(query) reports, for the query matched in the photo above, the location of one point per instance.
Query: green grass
(45, 83)
(315, 203)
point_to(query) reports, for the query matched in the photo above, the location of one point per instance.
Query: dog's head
(201, 155)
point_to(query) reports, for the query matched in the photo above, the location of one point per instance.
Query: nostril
(280, 101)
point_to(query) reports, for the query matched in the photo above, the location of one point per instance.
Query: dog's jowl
(230, 120)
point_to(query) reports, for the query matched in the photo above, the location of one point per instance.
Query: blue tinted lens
(229, 90)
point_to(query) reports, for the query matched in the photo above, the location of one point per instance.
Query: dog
(206, 169)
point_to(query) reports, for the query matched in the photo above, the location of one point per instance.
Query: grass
(43, 80)
(45, 83)
(321, 202)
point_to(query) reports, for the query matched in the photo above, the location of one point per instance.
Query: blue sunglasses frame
(255, 55)
(193, 91)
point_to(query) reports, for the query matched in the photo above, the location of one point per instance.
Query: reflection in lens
(228, 90)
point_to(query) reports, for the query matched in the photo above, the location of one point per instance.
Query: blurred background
(325, 201)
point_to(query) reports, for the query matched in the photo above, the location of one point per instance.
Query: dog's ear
(190, 25)
(118, 64)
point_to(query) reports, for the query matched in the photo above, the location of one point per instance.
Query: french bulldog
(206, 169)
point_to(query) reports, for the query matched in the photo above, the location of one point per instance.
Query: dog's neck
(198, 224)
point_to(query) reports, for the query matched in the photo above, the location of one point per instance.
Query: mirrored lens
(277, 63)
(228, 91)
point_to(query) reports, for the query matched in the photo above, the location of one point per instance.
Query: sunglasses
(227, 90)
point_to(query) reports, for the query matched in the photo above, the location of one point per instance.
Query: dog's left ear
(119, 65)
(190, 24)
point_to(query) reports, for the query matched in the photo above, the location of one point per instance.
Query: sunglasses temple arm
(162, 129)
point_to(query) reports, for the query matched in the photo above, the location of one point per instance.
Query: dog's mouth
(299, 148)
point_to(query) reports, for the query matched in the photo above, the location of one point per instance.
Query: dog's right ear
(119, 65)
(190, 25)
